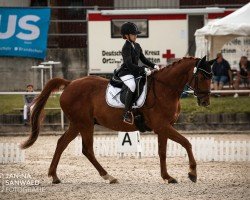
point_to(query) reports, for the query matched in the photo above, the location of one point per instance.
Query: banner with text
(24, 32)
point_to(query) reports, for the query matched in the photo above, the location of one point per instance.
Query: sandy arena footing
(138, 178)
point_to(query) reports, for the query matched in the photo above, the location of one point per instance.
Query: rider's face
(131, 37)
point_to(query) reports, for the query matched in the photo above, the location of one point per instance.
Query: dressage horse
(83, 102)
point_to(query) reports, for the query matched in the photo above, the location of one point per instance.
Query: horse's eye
(202, 78)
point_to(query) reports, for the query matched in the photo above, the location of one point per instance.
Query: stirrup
(129, 118)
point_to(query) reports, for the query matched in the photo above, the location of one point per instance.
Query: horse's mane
(180, 61)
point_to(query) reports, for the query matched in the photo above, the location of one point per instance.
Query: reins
(152, 82)
(197, 92)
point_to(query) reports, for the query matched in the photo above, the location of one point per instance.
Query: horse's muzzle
(204, 102)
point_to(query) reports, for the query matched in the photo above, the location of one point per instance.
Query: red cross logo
(168, 54)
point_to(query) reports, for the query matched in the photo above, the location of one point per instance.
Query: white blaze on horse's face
(203, 96)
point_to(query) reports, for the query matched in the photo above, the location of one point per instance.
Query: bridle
(197, 91)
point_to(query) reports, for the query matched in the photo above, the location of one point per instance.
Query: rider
(131, 53)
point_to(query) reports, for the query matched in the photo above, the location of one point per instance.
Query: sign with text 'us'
(24, 32)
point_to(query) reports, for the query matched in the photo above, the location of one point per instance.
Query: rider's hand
(157, 67)
(147, 71)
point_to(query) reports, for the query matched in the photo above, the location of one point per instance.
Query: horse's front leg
(162, 147)
(172, 134)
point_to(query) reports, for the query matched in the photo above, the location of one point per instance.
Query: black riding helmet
(129, 28)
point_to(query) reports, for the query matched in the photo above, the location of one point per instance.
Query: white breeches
(26, 109)
(129, 80)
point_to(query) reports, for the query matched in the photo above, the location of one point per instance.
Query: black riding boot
(128, 115)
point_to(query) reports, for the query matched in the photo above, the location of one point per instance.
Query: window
(142, 25)
(39, 3)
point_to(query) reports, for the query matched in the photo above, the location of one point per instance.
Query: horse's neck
(177, 75)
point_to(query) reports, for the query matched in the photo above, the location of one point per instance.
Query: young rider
(131, 53)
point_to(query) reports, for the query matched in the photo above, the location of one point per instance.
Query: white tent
(211, 38)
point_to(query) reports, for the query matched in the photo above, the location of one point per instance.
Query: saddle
(140, 83)
(116, 91)
(115, 97)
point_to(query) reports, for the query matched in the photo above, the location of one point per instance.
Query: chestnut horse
(83, 102)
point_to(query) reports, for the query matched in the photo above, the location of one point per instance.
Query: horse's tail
(39, 103)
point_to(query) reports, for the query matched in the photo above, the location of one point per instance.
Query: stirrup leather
(128, 117)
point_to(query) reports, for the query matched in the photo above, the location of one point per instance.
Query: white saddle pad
(113, 97)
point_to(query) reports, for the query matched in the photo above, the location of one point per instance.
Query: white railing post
(11, 156)
(221, 146)
(237, 150)
(248, 150)
(1, 153)
(244, 150)
(11, 153)
(226, 150)
(6, 152)
(17, 156)
(215, 151)
(232, 152)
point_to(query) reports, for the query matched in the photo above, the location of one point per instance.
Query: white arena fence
(204, 148)
(11, 153)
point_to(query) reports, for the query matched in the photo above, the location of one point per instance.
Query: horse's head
(201, 81)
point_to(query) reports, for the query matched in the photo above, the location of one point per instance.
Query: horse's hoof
(56, 181)
(114, 181)
(172, 180)
(192, 177)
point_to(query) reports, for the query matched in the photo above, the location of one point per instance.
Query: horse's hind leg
(88, 151)
(62, 143)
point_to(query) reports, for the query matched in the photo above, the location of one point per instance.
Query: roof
(236, 23)
(163, 11)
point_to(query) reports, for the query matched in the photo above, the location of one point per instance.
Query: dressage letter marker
(126, 140)
(129, 142)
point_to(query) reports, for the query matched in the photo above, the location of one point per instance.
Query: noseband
(197, 91)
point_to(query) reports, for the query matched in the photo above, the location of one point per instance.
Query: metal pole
(50, 70)
(42, 78)
(62, 119)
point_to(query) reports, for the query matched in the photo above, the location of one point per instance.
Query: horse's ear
(211, 62)
(202, 61)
